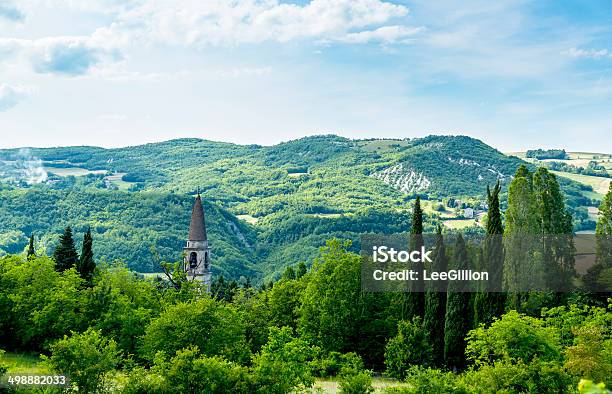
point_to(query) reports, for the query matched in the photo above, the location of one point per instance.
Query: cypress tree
(603, 235)
(490, 301)
(415, 302)
(87, 265)
(519, 235)
(556, 230)
(435, 302)
(31, 250)
(65, 255)
(603, 231)
(457, 318)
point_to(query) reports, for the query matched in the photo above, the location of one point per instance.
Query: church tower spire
(197, 250)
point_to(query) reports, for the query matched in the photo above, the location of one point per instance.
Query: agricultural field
(385, 144)
(116, 180)
(600, 185)
(459, 223)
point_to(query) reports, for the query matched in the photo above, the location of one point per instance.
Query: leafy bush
(38, 304)
(423, 380)
(566, 318)
(214, 327)
(87, 358)
(518, 377)
(591, 355)
(189, 372)
(333, 363)
(513, 337)
(356, 382)
(283, 363)
(410, 346)
(588, 387)
(142, 381)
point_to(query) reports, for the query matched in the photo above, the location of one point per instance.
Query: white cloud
(587, 53)
(192, 23)
(67, 55)
(223, 23)
(12, 95)
(385, 34)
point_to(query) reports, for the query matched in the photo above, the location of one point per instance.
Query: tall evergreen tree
(592, 281)
(65, 255)
(87, 265)
(519, 236)
(490, 301)
(31, 250)
(557, 244)
(458, 317)
(415, 301)
(435, 302)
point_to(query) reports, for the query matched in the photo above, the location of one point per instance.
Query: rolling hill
(293, 196)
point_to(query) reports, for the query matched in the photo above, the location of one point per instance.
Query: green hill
(300, 193)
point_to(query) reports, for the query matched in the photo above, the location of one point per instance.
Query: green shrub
(332, 363)
(214, 327)
(283, 365)
(588, 387)
(513, 337)
(142, 381)
(87, 359)
(591, 355)
(410, 346)
(517, 377)
(423, 380)
(356, 382)
(190, 372)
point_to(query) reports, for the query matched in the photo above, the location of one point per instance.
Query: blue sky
(516, 74)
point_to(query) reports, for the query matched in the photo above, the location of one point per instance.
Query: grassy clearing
(332, 386)
(372, 146)
(599, 184)
(248, 218)
(74, 171)
(116, 180)
(459, 224)
(152, 275)
(428, 208)
(23, 363)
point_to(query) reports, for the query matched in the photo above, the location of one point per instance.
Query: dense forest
(268, 207)
(110, 330)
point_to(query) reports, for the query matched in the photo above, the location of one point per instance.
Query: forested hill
(288, 198)
(438, 160)
(139, 228)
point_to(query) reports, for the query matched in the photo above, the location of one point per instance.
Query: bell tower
(197, 251)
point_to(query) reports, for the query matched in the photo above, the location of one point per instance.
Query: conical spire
(197, 228)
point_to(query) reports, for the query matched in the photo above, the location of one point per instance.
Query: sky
(515, 74)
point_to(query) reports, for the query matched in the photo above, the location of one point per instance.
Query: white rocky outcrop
(403, 179)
